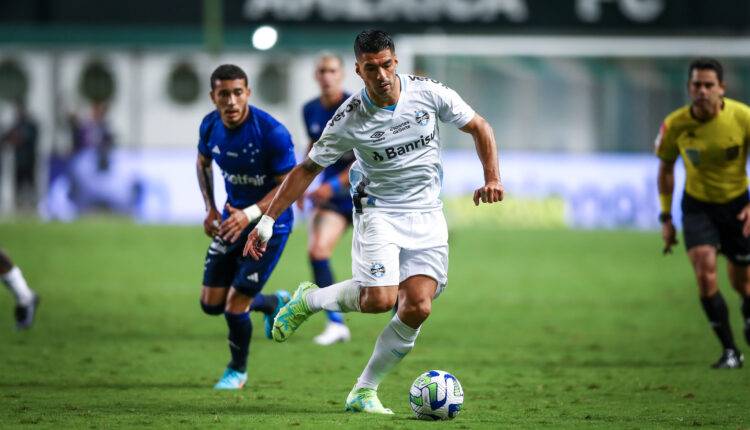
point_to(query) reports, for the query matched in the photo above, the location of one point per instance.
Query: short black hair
(227, 72)
(706, 63)
(372, 42)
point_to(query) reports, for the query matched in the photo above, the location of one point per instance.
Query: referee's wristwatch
(665, 217)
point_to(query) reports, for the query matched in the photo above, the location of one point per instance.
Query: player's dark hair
(707, 63)
(372, 42)
(227, 72)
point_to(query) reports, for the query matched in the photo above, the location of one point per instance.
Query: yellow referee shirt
(714, 152)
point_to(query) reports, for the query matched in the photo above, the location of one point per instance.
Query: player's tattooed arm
(310, 166)
(206, 181)
(206, 184)
(484, 141)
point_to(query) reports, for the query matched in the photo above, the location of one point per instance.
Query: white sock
(341, 297)
(17, 284)
(393, 344)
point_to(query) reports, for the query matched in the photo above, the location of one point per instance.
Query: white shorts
(389, 247)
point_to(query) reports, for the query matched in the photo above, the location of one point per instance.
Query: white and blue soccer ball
(436, 395)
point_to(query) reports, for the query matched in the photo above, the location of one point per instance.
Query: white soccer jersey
(398, 165)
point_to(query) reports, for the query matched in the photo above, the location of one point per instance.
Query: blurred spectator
(21, 136)
(95, 182)
(93, 134)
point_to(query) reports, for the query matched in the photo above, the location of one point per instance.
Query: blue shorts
(226, 267)
(342, 206)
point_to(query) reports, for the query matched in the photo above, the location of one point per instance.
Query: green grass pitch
(558, 329)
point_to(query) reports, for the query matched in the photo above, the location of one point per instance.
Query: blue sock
(240, 332)
(324, 278)
(265, 303)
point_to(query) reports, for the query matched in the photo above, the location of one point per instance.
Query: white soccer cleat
(334, 332)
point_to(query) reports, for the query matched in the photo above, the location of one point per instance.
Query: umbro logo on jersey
(216, 150)
(422, 117)
(377, 135)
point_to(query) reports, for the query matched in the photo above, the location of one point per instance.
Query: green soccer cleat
(293, 314)
(365, 400)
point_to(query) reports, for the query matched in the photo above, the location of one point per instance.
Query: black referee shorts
(716, 224)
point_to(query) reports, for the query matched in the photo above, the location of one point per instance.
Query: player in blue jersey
(333, 204)
(254, 152)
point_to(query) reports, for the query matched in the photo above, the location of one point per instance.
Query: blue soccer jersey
(249, 156)
(316, 116)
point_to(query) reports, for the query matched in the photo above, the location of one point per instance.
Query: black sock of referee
(718, 315)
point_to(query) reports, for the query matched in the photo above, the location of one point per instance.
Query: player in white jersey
(400, 243)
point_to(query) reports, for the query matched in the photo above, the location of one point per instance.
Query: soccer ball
(436, 395)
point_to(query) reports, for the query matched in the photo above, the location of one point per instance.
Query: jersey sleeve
(331, 146)
(203, 136)
(306, 120)
(745, 118)
(451, 108)
(279, 143)
(665, 144)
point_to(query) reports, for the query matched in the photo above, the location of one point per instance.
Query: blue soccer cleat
(283, 297)
(231, 380)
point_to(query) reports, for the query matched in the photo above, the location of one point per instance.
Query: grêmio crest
(422, 117)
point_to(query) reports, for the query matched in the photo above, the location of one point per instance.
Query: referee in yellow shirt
(711, 135)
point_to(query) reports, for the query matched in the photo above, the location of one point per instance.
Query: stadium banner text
(543, 190)
(411, 16)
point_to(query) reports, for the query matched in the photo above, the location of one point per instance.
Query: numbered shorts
(716, 224)
(226, 267)
(389, 247)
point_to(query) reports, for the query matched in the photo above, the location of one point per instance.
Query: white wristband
(252, 212)
(265, 228)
